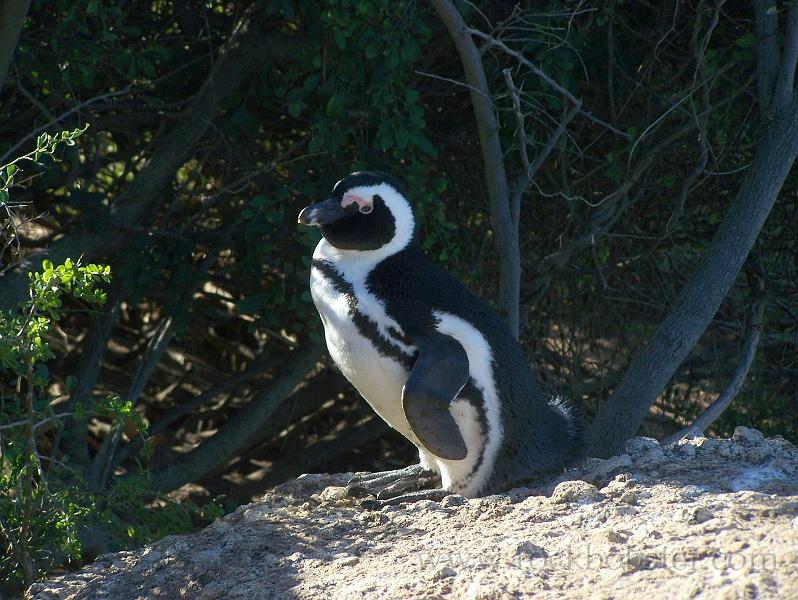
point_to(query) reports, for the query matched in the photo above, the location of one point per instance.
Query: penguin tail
(576, 427)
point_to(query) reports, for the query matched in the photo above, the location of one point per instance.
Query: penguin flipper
(439, 373)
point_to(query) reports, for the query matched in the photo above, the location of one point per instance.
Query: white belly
(378, 378)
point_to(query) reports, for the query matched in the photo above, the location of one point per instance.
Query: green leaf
(423, 144)
(402, 137)
(295, 108)
(340, 39)
(747, 40)
(373, 49)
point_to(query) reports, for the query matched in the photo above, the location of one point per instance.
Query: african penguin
(431, 358)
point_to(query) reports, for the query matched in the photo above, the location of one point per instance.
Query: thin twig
(552, 141)
(453, 82)
(234, 381)
(491, 41)
(700, 425)
(34, 100)
(520, 136)
(530, 170)
(62, 116)
(37, 424)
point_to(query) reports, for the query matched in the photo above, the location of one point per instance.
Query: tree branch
(74, 431)
(530, 170)
(767, 52)
(715, 409)
(492, 158)
(106, 457)
(785, 81)
(620, 416)
(12, 17)
(11, 152)
(237, 433)
(186, 408)
(491, 41)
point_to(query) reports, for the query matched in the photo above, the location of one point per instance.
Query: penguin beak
(322, 213)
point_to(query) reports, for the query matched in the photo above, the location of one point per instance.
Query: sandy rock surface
(707, 518)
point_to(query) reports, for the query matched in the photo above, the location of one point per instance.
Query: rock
(596, 469)
(699, 515)
(444, 573)
(704, 446)
(639, 561)
(691, 492)
(453, 500)
(333, 494)
(575, 491)
(686, 448)
(615, 537)
(343, 559)
(716, 524)
(643, 449)
(756, 455)
(745, 435)
(528, 550)
(628, 497)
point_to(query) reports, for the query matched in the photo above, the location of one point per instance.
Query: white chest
(358, 332)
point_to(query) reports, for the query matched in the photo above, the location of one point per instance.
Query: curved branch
(650, 370)
(715, 409)
(491, 41)
(492, 158)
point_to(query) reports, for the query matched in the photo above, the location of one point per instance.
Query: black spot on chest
(367, 327)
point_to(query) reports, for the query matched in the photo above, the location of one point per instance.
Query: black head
(367, 210)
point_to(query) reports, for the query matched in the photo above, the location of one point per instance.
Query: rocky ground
(707, 518)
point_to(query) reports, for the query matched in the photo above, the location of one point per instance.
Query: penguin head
(366, 211)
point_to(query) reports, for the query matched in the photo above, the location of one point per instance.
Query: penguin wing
(439, 373)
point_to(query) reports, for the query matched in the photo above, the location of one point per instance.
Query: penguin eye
(366, 209)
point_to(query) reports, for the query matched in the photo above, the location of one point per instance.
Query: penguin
(431, 358)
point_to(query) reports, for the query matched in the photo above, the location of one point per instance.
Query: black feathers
(365, 326)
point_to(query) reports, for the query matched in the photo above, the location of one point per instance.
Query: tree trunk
(493, 160)
(619, 418)
(12, 17)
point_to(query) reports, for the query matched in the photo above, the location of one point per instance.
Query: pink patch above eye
(363, 205)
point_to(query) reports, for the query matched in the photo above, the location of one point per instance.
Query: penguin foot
(390, 484)
(434, 494)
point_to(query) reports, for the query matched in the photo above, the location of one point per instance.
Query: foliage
(39, 526)
(44, 500)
